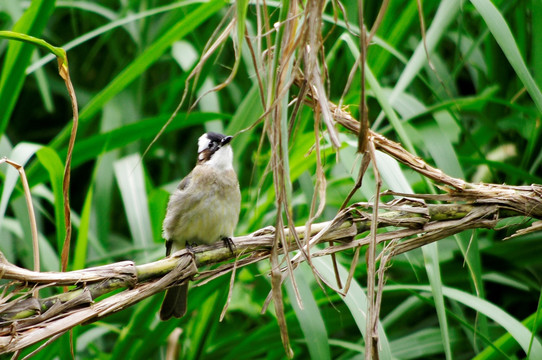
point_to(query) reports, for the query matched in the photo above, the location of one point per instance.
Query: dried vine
(26, 320)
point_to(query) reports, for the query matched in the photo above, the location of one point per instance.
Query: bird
(203, 209)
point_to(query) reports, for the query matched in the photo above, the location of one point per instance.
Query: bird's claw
(229, 243)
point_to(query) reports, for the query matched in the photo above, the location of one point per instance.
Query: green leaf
(245, 115)
(89, 148)
(310, 318)
(537, 45)
(441, 149)
(241, 7)
(502, 34)
(142, 333)
(515, 328)
(20, 154)
(420, 344)
(383, 98)
(131, 181)
(158, 199)
(159, 46)
(446, 13)
(18, 56)
(52, 163)
(81, 245)
(202, 323)
(506, 342)
(355, 300)
(392, 174)
(108, 14)
(432, 267)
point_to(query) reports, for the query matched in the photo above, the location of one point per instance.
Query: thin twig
(64, 72)
(31, 215)
(371, 334)
(417, 224)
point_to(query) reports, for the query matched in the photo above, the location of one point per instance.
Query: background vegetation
(473, 111)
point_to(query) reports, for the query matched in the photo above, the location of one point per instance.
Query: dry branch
(28, 321)
(412, 222)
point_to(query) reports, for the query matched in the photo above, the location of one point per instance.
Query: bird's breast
(206, 211)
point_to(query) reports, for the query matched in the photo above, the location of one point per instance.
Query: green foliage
(474, 112)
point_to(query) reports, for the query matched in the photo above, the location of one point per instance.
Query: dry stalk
(64, 72)
(28, 321)
(371, 330)
(30, 208)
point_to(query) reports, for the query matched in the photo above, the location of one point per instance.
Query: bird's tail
(174, 303)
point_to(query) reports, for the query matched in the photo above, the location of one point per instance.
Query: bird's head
(215, 150)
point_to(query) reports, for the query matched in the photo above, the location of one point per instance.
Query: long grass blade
(502, 34)
(150, 56)
(55, 169)
(131, 180)
(356, 301)
(18, 56)
(310, 319)
(514, 327)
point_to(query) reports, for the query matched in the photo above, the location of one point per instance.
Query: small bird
(202, 210)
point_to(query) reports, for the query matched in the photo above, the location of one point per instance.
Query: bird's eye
(210, 145)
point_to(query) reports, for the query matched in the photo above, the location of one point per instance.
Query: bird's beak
(226, 140)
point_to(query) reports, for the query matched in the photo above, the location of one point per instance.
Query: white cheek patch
(222, 159)
(203, 143)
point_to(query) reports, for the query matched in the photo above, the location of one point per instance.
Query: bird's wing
(181, 206)
(185, 182)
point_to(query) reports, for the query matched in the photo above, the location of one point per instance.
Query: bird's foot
(229, 243)
(190, 247)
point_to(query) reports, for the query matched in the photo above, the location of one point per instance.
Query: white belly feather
(206, 210)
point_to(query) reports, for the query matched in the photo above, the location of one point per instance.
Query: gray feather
(174, 304)
(202, 210)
